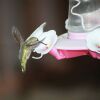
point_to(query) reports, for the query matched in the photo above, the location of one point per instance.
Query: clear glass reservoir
(84, 15)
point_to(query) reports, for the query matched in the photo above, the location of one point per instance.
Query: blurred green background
(45, 79)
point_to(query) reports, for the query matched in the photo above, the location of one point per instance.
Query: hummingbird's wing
(19, 39)
(17, 36)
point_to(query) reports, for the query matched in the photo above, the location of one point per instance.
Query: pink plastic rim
(77, 36)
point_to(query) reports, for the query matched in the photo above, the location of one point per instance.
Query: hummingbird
(26, 46)
(39, 41)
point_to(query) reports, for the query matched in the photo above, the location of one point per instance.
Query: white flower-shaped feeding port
(93, 40)
(48, 40)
